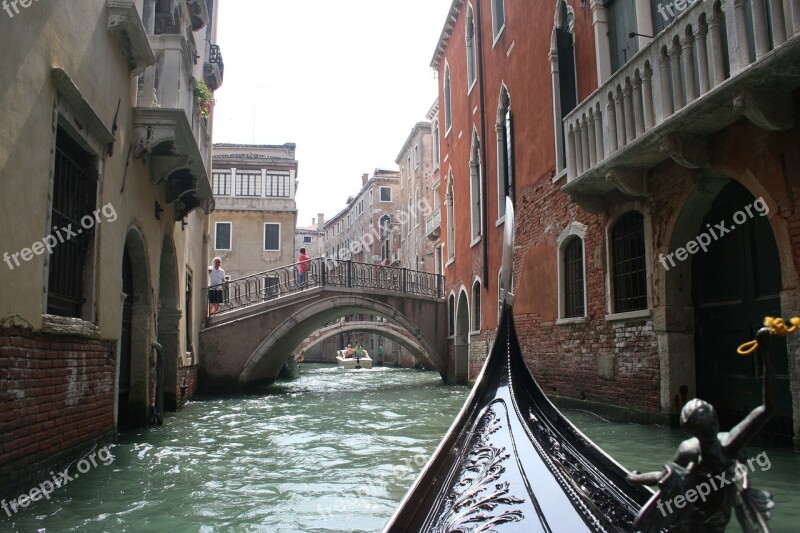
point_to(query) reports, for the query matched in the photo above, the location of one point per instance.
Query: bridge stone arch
(270, 355)
(250, 345)
(384, 329)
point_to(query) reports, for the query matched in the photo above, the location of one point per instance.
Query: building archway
(461, 371)
(717, 298)
(169, 332)
(133, 367)
(385, 330)
(268, 357)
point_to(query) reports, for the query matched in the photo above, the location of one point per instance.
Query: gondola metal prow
(507, 269)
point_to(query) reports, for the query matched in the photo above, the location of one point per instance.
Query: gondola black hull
(512, 462)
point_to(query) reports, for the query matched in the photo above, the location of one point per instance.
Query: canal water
(333, 451)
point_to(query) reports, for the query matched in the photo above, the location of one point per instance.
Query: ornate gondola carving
(481, 497)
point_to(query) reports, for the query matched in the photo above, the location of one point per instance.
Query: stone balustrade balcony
(433, 224)
(716, 62)
(170, 127)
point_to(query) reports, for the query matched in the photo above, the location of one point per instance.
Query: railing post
(323, 268)
(439, 288)
(405, 278)
(349, 273)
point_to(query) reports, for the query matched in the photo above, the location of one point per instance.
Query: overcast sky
(346, 81)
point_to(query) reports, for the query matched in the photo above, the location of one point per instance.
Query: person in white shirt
(216, 277)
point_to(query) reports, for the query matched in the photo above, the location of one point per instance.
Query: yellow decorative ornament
(777, 326)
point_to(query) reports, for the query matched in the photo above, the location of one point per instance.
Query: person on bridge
(302, 269)
(216, 277)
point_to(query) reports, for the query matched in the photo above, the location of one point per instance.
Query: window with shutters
(565, 88)
(448, 115)
(272, 237)
(222, 236)
(469, 37)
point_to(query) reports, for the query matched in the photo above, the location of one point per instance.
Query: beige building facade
(104, 178)
(255, 218)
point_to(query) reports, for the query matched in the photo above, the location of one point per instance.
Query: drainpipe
(482, 114)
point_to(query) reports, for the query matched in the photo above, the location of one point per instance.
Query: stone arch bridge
(264, 317)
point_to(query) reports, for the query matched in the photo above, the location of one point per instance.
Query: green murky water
(334, 451)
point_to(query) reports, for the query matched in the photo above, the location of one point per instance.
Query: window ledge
(559, 176)
(571, 320)
(500, 221)
(473, 333)
(450, 262)
(475, 241)
(630, 315)
(62, 325)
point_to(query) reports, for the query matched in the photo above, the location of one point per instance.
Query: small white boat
(365, 361)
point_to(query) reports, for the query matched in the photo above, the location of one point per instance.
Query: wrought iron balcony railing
(712, 65)
(215, 56)
(285, 280)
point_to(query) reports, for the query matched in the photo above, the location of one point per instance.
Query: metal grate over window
(74, 191)
(629, 266)
(573, 278)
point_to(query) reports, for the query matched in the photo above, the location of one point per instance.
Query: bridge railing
(320, 272)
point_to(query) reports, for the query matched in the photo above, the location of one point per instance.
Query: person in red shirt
(302, 269)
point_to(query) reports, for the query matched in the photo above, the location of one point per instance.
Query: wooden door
(736, 283)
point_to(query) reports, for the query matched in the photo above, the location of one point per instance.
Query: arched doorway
(133, 383)
(735, 284)
(461, 370)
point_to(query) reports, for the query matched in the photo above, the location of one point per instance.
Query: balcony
(214, 68)
(714, 64)
(125, 24)
(433, 224)
(169, 127)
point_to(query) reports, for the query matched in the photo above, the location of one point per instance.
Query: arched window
(572, 260)
(448, 116)
(436, 144)
(469, 36)
(505, 152)
(451, 316)
(628, 263)
(571, 272)
(476, 305)
(451, 223)
(562, 70)
(475, 188)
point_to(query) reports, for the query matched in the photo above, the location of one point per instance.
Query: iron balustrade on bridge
(285, 280)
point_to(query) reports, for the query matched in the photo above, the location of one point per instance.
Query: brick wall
(186, 384)
(57, 394)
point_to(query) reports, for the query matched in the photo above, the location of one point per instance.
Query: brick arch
(276, 346)
(387, 330)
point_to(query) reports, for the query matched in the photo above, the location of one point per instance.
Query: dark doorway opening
(735, 284)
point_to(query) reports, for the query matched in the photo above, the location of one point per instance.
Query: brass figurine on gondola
(708, 476)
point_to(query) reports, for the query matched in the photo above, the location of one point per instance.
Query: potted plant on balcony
(203, 98)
